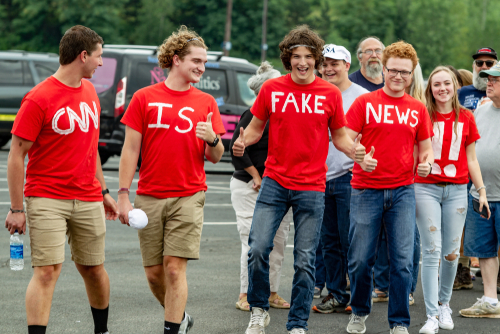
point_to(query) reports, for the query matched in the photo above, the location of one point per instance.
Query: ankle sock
(100, 319)
(492, 301)
(171, 328)
(36, 329)
(464, 260)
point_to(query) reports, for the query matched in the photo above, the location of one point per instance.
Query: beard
(478, 82)
(373, 71)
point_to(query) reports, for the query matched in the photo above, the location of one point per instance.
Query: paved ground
(213, 282)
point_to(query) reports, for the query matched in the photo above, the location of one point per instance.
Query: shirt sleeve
(425, 125)
(473, 131)
(29, 120)
(217, 124)
(134, 116)
(243, 161)
(354, 116)
(259, 107)
(337, 120)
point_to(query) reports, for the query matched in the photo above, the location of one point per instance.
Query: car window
(11, 73)
(104, 75)
(45, 69)
(145, 74)
(28, 78)
(214, 82)
(246, 94)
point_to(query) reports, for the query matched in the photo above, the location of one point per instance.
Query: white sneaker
(399, 330)
(297, 331)
(356, 324)
(258, 320)
(445, 320)
(431, 326)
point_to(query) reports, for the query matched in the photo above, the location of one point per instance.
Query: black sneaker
(329, 304)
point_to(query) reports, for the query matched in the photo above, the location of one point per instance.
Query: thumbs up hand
(358, 151)
(424, 167)
(204, 130)
(239, 144)
(369, 164)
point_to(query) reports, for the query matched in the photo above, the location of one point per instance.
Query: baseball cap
(493, 71)
(485, 52)
(336, 52)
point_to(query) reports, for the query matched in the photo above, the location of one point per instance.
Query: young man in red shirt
(393, 122)
(174, 126)
(58, 125)
(300, 109)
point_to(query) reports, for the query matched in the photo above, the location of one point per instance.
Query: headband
(192, 39)
(296, 46)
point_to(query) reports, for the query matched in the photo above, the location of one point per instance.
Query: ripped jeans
(441, 213)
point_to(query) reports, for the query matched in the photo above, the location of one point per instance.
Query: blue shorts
(482, 236)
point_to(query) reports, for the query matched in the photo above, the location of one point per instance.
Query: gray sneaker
(356, 324)
(329, 304)
(399, 330)
(481, 309)
(297, 331)
(186, 324)
(258, 321)
(317, 293)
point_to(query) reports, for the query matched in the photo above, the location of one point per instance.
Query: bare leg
(176, 289)
(39, 294)
(96, 283)
(156, 280)
(489, 272)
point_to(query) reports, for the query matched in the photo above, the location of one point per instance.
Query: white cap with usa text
(336, 52)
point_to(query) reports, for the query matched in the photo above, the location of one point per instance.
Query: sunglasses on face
(489, 63)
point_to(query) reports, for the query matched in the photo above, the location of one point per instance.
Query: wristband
(123, 191)
(483, 187)
(105, 191)
(430, 165)
(16, 211)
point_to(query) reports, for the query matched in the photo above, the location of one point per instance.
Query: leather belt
(443, 184)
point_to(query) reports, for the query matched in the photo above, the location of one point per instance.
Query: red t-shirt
(450, 159)
(391, 125)
(173, 158)
(299, 117)
(63, 124)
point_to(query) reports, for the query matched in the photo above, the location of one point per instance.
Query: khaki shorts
(50, 220)
(174, 227)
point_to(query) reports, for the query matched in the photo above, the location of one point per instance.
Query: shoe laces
(431, 322)
(356, 319)
(445, 313)
(327, 298)
(257, 319)
(399, 328)
(298, 331)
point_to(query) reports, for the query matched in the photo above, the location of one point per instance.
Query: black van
(20, 71)
(127, 68)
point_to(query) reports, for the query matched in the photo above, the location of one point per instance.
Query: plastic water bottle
(16, 252)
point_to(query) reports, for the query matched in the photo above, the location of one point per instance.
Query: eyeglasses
(492, 80)
(370, 52)
(489, 63)
(393, 73)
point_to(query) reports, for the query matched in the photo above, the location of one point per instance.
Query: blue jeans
(273, 203)
(382, 268)
(335, 235)
(320, 276)
(482, 236)
(371, 211)
(416, 261)
(441, 215)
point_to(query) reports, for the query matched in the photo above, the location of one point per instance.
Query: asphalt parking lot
(213, 281)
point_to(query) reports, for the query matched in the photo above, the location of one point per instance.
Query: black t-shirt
(255, 155)
(359, 79)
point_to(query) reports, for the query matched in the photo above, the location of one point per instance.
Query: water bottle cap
(15, 231)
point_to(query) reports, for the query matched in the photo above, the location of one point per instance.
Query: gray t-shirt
(488, 150)
(338, 163)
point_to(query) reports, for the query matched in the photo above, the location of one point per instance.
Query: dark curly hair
(400, 49)
(301, 35)
(178, 44)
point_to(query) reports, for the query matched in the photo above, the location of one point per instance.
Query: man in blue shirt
(369, 54)
(469, 96)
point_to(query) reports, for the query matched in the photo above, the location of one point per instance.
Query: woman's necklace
(445, 117)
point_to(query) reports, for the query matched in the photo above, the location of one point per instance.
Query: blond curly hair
(178, 44)
(301, 35)
(400, 49)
